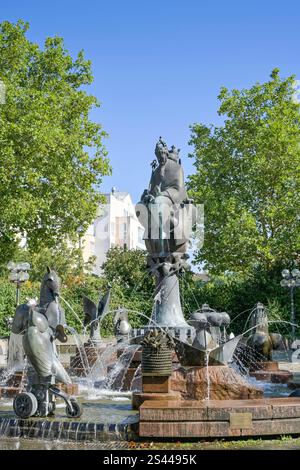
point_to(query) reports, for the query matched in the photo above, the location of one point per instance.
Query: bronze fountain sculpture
(40, 326)
(167, 216)
(260, 339)
(200, 368)
(93, 315)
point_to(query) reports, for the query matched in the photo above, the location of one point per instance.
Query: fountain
(200, 343)
(186, 377)
(204, 395)
(87, 354)
(205, 371)
(264, 343)
(40, 326)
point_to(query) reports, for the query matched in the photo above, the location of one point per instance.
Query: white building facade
(115, 225)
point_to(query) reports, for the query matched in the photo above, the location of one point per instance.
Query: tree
(132, 286)
(51, 153)
(65, 258)
(248, 177)
(127, 268)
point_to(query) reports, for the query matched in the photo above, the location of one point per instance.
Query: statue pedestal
(167, 307)
(156, 384)
(154, 388)
(213, 383)
(197, 383)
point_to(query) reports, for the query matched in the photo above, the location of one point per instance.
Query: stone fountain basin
(110, 418)
(110, 409)
(220, 418)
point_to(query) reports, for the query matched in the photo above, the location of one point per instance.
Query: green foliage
(77, 286)
(248, 177)
(237, 294)
(51, 153)
(233, 293)
(73, 289)
(127, 268)
(132, 287)
(64, 258)
(8, 299)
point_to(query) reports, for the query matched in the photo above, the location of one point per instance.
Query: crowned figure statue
(167, 216)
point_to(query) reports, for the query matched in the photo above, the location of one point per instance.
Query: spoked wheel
(25, 405)
(77, 410)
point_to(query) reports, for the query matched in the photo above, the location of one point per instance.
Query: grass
(280, 443)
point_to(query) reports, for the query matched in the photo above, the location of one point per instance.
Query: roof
(117, 194)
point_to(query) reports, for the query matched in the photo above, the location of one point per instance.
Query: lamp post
(18, 273)
(291, 280)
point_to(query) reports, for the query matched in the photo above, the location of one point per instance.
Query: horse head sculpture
(49, 299)
(40, 326)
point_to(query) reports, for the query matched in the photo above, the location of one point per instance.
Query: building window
(112, 229)
(140, 235)
(124, 232)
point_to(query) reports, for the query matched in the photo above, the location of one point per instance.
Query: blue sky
(159, 65)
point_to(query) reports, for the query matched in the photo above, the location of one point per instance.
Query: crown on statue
(174, 153)
(160, 147)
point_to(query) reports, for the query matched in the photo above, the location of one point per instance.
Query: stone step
(66, 429)
(274, 376)
(138, 398)
(220, 418)
(202, 429)
(219, 410)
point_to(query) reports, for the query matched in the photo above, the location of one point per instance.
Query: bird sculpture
(93, 315)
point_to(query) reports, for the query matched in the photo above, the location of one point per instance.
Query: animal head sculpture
(50, 287)
(122, 326)
(93, 314)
